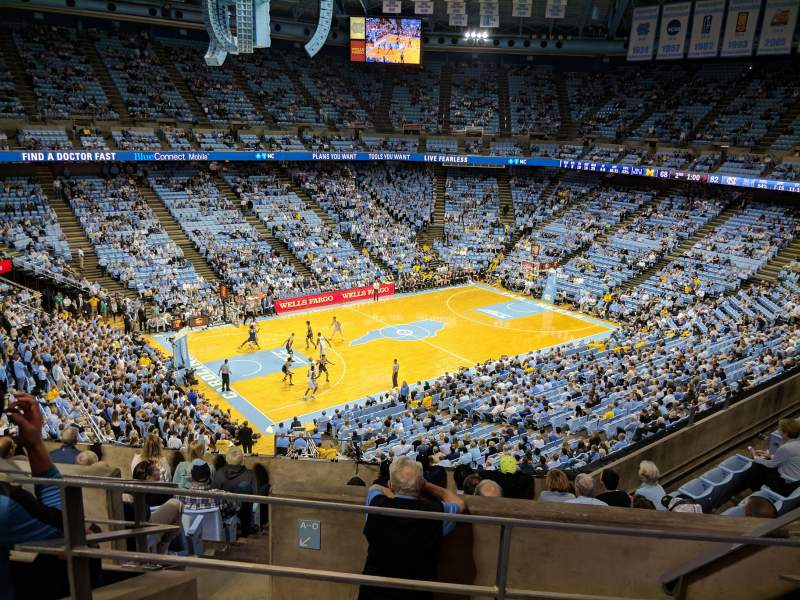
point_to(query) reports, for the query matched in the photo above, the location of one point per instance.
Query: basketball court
(430, 333)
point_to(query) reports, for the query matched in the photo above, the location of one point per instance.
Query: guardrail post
(501, 578)
(139, 519)
(80, 581)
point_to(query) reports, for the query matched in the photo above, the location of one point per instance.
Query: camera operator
(23, 516)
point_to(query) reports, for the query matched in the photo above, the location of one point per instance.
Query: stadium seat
(699, 491)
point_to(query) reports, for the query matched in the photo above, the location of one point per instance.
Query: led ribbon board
(474, 160)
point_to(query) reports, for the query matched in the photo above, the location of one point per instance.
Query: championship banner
(643, 32)
(521, 8)
(490, 21)
(392, 7)
(458, 20)
(674, 26)
(777, 28)
(423, 7)
(330, 298)
(555, 9)
(489, 7)
(740, 27)
(706, 28)
(456, 7)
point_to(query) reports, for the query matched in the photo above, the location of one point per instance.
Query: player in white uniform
(312, 381)
(321, 343)
(336, 327)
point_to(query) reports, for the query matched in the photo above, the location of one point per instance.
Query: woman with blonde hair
(650, 488)
(152, 450)
(183, 472)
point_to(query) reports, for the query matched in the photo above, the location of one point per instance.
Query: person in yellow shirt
(607, 297)
(93, 302)
(427, 401)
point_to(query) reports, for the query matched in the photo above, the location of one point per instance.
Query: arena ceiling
(584, 19)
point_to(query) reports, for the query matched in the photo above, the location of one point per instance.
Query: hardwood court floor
(430, 333)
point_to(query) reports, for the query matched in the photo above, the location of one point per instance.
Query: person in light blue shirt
(558, 487)
(650, 489)
(584, 491)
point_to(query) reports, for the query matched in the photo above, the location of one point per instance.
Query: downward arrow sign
(304, 542)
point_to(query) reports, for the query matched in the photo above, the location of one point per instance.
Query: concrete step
(252, 218)
(176, 232)
(679, 250)
(76, 237)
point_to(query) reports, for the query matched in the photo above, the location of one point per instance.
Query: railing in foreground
(75, 549)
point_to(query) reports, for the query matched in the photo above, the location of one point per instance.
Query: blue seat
(721, 481)
(783, 504)
(738, 466)
(699, 491)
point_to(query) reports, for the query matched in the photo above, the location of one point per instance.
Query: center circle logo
(673, 27)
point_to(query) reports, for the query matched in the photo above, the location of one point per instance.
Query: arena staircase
(180, 85)
(16, 67)
(680, 249)
(104, 77)
(445, 93)
(780, 127)
(435, 231)
(240, 80)
(569, 128)
(503, 100)
(285, 178)
(252, 218)
(770, 271)
(722, 103)
(308, 98)
(381, 114)
(175, 232)
(76, 237)
(602, 237)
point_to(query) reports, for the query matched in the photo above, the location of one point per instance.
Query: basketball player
(286, 369)
(312, 381)
(320, 343)
(309, 335)
(323, 367)
(289, 345)
(252, 337)
(336, 327)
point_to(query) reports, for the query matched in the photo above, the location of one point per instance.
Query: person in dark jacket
(404, 547)
(609, 481)
(234, 477)
(245, 437)
(68, 452)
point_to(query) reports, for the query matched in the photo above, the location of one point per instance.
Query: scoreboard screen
(385, 40)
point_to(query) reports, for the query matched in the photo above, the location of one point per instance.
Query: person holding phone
(25, 517)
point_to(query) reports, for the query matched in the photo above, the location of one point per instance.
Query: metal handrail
(77, 553)
(67, 386)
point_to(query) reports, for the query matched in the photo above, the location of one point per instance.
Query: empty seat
(699, 491)
(738, 466)
(721, 481)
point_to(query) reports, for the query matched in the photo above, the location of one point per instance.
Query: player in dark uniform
(252, 337)
(289, 345)
(310, 335)
(323, 367)
(286, 369)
